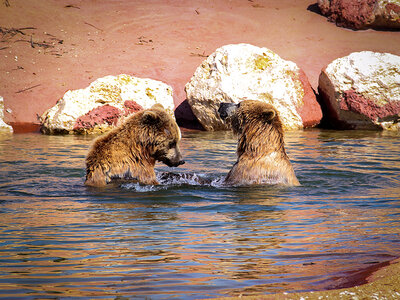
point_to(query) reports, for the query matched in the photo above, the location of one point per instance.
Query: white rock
(374, 79)
(238, 72)
(111, 90)
(372, 74)
(3, 125)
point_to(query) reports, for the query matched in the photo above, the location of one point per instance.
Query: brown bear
(131, 150)
(261, 153)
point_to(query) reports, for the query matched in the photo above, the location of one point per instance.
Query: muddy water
(182, 239)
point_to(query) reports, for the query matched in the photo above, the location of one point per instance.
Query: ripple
(191, 236)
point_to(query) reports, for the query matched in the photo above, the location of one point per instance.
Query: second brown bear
(262, 158)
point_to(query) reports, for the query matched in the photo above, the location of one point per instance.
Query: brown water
(60, 239)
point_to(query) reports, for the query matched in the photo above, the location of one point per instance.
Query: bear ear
(158, 106)
(150, 117)
(269, 114)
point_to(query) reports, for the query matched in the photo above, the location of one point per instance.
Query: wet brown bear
(261, 153)
(131, 150)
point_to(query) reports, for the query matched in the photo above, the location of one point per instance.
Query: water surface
(183, 240)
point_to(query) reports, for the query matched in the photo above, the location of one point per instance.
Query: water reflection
(59, 238)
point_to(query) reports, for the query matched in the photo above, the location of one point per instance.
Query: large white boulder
(362, 91)
(104, 103)
(4, 127)
(238, 72)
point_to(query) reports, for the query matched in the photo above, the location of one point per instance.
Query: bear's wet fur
(131, 150)
(261, 155)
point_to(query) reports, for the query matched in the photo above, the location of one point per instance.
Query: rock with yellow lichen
(104, 104)
(245, 72)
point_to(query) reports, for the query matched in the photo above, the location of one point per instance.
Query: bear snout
(173, 158)
(170, 163)
(225, 109)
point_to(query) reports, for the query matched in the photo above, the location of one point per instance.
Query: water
(184, 240)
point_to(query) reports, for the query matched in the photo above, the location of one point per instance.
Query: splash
(167, 180)
(137, 187)
(196, 179)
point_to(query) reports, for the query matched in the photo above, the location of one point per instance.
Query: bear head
(158, 135)
(248, 114)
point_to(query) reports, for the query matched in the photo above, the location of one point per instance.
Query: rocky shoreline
(48, 48)
(359, 91)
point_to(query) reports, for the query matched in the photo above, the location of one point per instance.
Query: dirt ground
(48, 47)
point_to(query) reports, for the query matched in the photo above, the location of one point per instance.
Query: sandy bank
(382, 284)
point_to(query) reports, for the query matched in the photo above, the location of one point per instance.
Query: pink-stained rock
(392, 7)
(101, 118)
(387, 14)
(310, 111)
(98, 117)
(350, 14)
(131, 107)
(105, 103)
(361, 91)
(362, 14)
(353, 101)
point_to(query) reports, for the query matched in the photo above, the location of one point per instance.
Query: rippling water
(183, 240)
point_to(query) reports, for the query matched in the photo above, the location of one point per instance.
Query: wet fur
(131, 150)
(261, 155)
